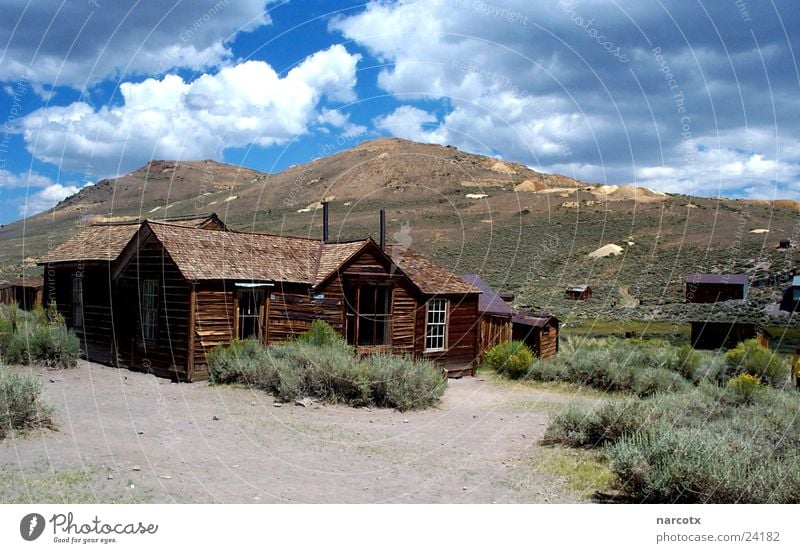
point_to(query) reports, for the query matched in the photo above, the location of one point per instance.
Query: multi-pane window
(249, 313)
(149, 309)
(436, 325)
(77, 300)
(374, 314)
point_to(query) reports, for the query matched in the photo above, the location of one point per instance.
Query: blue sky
(697, 97)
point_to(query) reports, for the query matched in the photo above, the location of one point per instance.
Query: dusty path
(126, 436)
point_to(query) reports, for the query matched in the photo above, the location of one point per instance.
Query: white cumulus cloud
(247, 103)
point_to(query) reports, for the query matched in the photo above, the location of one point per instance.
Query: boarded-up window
(149, 309)
(77, 300)
(436, 325)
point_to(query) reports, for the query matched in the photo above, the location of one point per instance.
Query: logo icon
(31, 526)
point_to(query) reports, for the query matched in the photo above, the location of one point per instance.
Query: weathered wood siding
(713, 292)
(492, 330)
(214, 323)
(548, 342)
(292, 309)
(168, 354)
(97, 333)
(404, 321)
(462, 336)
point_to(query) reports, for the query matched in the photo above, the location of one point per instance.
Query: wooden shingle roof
(105, 241)
(429, 277)
(202, 254)
(334, 255)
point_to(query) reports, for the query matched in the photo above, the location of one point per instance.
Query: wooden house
(494, 323)
(583, 292)
(784, 244)
(711, 288)
(25, 292)
(161, 299)
(715, 335)
(791, 296)
(538, 330)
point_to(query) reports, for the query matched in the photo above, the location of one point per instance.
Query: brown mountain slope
(525, 231)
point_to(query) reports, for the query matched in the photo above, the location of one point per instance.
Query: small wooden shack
(494, 324)
(25, 292)
(715, 335)
(791, 296)
(538, 330)
(583, 292)
(159, 296)
(784, 244)
(711, 288)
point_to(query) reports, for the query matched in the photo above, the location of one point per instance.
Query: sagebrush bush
(512, 359)
(236, 363)
(323, 366)
(31, 337)
(707, 444)
(752, 358)
(322, 334)
(20, 404)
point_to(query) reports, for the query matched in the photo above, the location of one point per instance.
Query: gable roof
(105, 241)
(333, 255)
(581, 288)
(428, 276)
(489, 301)
(202, 254)
(706, 278)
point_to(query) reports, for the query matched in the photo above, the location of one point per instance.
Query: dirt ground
(130, 437)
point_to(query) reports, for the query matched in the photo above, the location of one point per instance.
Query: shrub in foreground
(512, 359)
(31, 337)
(752, 358)
(20, 405)
(323, 366)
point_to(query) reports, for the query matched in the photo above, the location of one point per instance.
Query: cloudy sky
(699, 97)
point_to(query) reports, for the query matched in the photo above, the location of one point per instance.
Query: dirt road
(131, 437)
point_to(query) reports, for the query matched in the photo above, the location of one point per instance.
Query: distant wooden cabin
(538, 330)
(715, 335)
(711, 288)
(791, 296)
(160, 295)
(494, 324)
(784, 244)
(25, 292)
(578, 292)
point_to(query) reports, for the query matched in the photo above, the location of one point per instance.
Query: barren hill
(525, 231)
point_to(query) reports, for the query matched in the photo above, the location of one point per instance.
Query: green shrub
(752, 358)
(54, 346)
(648, 381)
(29, 337)
(331, 372)
(238, 362)
(743, 389)
(511, 359)
(6, 331)
(688, 362)
(404, 383)
(322, 334)
(20, 405)
(577, 426)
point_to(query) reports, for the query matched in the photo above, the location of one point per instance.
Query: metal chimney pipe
(325, 234)
(383, 230)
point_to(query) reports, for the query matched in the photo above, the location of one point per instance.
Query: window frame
(77, 301)
(376, 319)
(146, 308)
(445, 324)
(259, 302)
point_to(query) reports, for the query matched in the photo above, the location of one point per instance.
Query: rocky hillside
(526, 232)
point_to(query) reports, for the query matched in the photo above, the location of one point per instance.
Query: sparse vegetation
(319, 364)
(36, 336)
(733, 444)
(752, 358)
(20, 404)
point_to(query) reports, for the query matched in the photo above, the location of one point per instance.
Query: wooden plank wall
(97, 334)
(462, 336)
(214, 323)
(292, 310)
(548, 342)
(404, 319)
(492, 330)
(167, 355)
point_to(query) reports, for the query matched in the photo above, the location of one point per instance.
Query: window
(149, 310)
(249, 313)
(436, 325)
(77, 300)
(374, 315)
